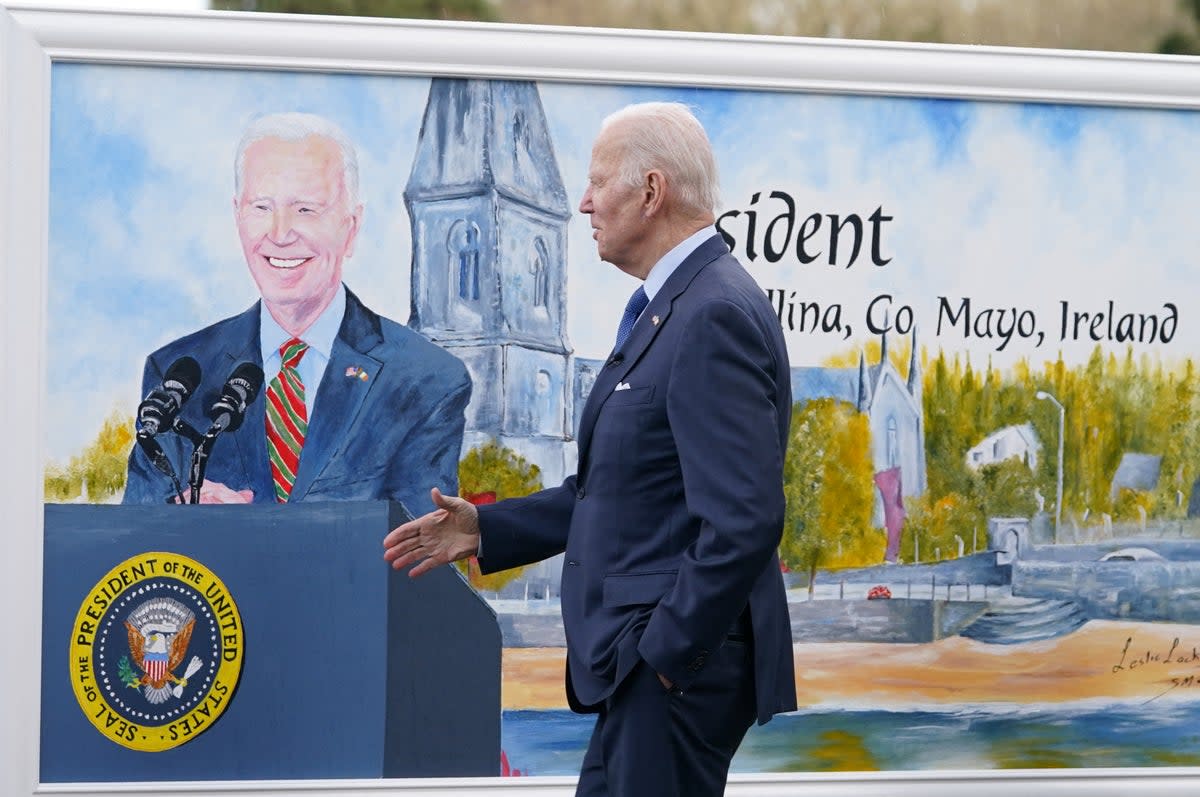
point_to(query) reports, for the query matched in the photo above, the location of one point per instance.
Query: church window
(464, 258)
(587, 378)
(548, 401)
(541, 279)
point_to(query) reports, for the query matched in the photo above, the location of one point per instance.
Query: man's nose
(281, 226)
(585, 204)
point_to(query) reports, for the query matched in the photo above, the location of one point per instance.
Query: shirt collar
(667, 264)
(319, 336)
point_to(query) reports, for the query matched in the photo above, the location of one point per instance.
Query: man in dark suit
(672, 599)
(356, 406)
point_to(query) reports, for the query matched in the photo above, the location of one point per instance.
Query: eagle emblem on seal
(159, 632)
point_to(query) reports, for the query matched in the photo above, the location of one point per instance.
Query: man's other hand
(447, 534)
(217, 493)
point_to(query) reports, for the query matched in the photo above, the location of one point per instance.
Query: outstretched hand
(447, 534)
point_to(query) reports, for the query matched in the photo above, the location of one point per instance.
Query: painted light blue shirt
(319, 337)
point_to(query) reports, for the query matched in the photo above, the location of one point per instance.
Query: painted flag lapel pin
(354, 371)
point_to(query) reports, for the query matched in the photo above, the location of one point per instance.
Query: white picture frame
(31, 40)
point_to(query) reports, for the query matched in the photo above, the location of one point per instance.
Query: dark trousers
(649, 742)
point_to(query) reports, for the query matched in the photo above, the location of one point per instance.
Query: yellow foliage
(829, 487)
(899, 354)
(933, 526)
(1131, 504)
(489, 473)
(99, 469)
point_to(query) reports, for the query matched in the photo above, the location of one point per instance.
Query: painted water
(1156, 733)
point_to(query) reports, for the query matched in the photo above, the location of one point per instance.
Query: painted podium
(257, 642)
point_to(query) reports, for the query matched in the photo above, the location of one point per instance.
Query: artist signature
(1176, 654)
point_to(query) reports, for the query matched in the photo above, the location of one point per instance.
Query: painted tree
(1182, 445)
(829, 490)
(951, 428)
(1115, 404)
(933, 525)
(98, 472)
(1006, 489)
(492, 473)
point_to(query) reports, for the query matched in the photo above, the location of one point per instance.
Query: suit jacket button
(579, 493)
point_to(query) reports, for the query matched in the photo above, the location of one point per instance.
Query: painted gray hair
(668, 136)
(297, 127)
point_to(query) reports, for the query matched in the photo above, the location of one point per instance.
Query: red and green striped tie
(287, 418)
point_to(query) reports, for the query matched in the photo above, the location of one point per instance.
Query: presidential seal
(156, 651)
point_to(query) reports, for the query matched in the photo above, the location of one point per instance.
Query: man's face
(295, 221)
(619, 225)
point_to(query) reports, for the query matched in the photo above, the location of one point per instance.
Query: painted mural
(993, 531)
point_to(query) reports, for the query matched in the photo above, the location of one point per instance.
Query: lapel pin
(654, 320)
(354, 371)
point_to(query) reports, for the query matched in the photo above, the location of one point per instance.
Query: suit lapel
(348, 379)
(250, 441)
(653, 319)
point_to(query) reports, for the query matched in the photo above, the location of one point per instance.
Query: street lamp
(1062, 422)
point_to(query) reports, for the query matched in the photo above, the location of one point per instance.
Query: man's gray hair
(297, 127)
(667, 136)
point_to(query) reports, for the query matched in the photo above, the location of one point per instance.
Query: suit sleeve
(519, 531)
(722, 405)
(432, 449)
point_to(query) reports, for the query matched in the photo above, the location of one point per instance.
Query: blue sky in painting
(1011, 205)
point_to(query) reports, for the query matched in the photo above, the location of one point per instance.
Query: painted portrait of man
(352, 405)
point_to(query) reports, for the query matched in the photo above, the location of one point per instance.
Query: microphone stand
(199, 460)
(227, 413)
(203, 448)
(159, 459)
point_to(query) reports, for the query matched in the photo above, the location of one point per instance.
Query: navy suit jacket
(672, 523)
(390, 436)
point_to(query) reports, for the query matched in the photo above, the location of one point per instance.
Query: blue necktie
(637, 303)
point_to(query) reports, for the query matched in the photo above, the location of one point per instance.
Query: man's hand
(447, 534)
(217, 493)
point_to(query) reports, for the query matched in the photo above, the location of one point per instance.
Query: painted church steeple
(489, 219)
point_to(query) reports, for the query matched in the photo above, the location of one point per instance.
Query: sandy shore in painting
(1103, 660)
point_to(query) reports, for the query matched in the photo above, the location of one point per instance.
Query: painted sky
(1008, 205)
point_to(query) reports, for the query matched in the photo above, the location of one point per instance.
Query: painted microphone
(158, 410)
(238, 393)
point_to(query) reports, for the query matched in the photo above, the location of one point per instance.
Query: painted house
(1012, 442)
(1136, 472)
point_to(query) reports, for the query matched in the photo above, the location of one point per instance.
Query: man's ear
(654, 193)
(352, 235)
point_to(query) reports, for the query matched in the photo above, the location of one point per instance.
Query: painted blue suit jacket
(390, 436)
(671, 525)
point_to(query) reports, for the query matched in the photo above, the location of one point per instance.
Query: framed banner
(982, 260)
